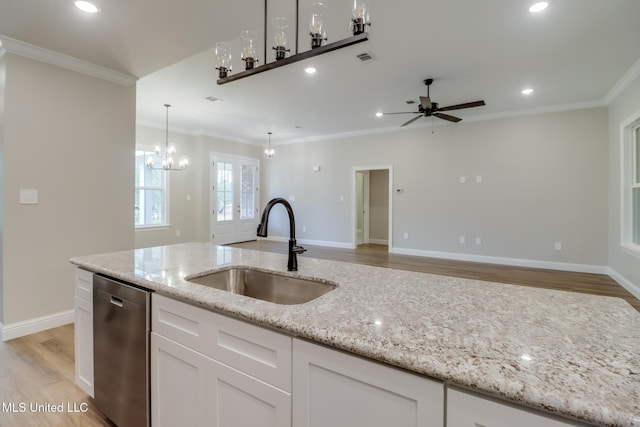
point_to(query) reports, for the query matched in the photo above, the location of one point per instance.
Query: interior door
(234, 199)
(362, 209)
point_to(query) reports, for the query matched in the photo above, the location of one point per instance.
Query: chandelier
(286, 51)
(168, 163)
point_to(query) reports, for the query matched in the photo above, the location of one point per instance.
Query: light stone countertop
(570, 354)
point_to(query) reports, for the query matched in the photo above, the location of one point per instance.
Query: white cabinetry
(331, 388)
(83, 284)
(465, 409)
(209, 369)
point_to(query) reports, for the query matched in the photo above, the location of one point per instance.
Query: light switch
(463, 179)
(28, 196)
(479, 179)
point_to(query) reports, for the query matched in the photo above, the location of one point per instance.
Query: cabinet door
(243, 401)
(465, 409)
(84, 344)
(331, 388)
(178, 385)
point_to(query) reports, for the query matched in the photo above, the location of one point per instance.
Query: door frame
(215, 157)
(354, 205)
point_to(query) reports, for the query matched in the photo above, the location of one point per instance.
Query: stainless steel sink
(265, 286)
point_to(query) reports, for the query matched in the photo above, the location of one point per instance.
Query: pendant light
(169, 152)
(269, 151)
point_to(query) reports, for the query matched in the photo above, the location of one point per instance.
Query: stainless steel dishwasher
(121, 351)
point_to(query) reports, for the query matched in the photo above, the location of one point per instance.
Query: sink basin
(265, 286)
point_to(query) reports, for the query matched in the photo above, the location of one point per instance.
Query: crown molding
(70, 63)
(623, 84)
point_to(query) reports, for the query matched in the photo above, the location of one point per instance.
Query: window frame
(165, 191)
(630, 179)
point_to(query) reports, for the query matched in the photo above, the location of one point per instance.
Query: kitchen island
(569, 354)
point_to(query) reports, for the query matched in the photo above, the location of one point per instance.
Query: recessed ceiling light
(538, 7)
(378, 114)
(310, 70)
(527, 91)
(85, 6)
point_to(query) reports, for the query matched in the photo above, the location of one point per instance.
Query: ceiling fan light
(538, 7)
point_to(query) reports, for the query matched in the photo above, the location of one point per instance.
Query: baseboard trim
(324, 243)
(31, 326)
(518, 262)
(625, 283)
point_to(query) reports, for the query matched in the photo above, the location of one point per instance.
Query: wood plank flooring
(378, 255)
(39, 368)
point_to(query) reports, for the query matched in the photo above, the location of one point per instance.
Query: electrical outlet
(557, 246)
(478, 241)
(462, 240)
(178, 233)
(463, 179)
(304, 228)
(406, 235)
(479, 179)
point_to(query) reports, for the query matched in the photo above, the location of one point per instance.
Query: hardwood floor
(37, 374)
(38, 369)
(378, 255)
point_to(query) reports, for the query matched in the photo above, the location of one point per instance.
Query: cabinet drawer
(465, 409)
(84, 284)
(254, 350)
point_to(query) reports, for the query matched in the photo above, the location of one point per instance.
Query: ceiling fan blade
(460, 106)
(425, 101)
(404, 112)
(447, 117)
(411, 121)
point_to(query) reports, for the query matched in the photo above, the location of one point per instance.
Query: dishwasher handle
(117, 301)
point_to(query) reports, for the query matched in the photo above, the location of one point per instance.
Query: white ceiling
(573, 54)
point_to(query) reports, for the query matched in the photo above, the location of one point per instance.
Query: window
(630, 169)
(635, 185)
(151, 192)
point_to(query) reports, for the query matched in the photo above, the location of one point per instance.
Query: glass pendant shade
(316, 25)
(223, 59)
(279, 27)
(248, 54)
(360, 19)
(269, 151)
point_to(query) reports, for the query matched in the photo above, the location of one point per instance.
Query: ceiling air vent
(365, 56)
(213, 99)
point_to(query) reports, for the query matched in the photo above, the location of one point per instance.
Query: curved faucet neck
(262, 228)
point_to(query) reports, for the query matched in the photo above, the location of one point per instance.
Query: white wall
(626, 267)
(544, 180)
(71, 137)
(190, 217)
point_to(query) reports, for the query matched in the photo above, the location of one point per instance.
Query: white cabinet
(466, 409)
(83, 329)
(331, 388)
(212, 370)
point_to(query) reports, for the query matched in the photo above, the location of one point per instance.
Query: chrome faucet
(294, 249)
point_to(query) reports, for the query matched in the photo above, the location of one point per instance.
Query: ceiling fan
(428, 108)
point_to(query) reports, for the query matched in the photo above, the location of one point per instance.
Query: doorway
(234, 198)
(372, 207)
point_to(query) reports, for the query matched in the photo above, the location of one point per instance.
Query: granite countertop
(570, 354)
